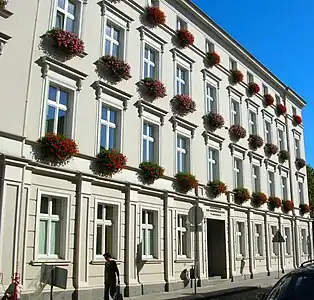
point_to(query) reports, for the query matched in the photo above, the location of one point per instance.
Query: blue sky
(280, 34)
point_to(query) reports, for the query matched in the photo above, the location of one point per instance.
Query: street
(251, 295)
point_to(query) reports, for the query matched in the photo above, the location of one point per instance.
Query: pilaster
(251, 243)
(267, 244)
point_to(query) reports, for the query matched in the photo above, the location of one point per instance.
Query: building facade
(67, 216)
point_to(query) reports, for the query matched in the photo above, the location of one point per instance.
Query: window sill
(151, 261)
(259, 258)
(82, 55)
(239, 258)
(102, 262)
(184, 260)
(4, 13)
(53, 262)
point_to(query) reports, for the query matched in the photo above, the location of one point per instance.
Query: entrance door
(216, 248)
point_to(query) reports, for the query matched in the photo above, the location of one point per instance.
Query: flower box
(283, 156)
(152, 88)
(258, 199)
(3, 4)
(287, 206)
(241, 195)
(236, 76)
(213, 121)
(212, 59)
(184, 182)
(253, 88)
(255, 141)
(270, 149)
(297, 119)
(150, 172)
(185, 38)
(182, 105)
(110, 162)
(216, 188)
(269, 99)
(237, 131)
(154, 16)
(113, 69)
(300, 163)
(281, 109)
(304, 209)
(57, 149)
(274, 202)
(68, 43)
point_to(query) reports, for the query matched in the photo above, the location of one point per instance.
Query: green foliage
(310, 182)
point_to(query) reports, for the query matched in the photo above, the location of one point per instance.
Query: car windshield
(296, 286)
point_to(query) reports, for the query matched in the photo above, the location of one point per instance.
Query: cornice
(213, 137)
(151, 108)
(178, 121)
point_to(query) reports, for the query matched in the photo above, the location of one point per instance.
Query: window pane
(112, 117)
(108, 30)
(42, 237)
(61, 122)
(71, 8)
(150, 218)
(109, 213)
(150, 242)
(99, 240)
(115, 50)
(70, 25)
(104, 113)
(103, 136)
(61, 3)
(184, 169)
(109, 239)
(144, 242)
(56, 207)
(44, 205)
(50, 119)
(179, 243)
(112, 138)
(116, 34)
(55, 238)
(64, 96)
(99, 211)
(107, 47)
(144, 217)
(52, 93)
(145, 150)
(151, 151)
(179, 161)
(184, 243)
(59, 20)
(152, 71)
(146, 70)
(146, 53)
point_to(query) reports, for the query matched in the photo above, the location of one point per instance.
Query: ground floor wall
(53, 217)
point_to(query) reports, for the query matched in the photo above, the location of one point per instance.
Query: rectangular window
(258, 240)
(66, 15)
(105, 236)
(275, 246)
(304, 241)
(213, 164)
(278, 101)
(252, 123)
(150, 63)
(181, 24)
(57, 117)
(284, 188)
(182, 154)
(183, 237)
(113, 40)
(210, 47)
(265, 89)
(211, 98)
(287, 238)
(271, 183)
(281, 139)
(256, 180)
(294, 111)
(301, 192)
(232, 64)
(237, 173)
(108, 128)
(235, 112)
(50, 227)
(240, 239)
(182, 80)
(149, 142)
(297, 147)
(250, 77)
(268, 135)
(154, 3)
(149, 237)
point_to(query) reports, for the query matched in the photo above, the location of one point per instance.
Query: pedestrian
(111, 276)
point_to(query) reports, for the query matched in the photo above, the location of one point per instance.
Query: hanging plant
(241, 195)
(253, 88)
(56, 149)
(212, 59)
(281, 109)
(300, 163)
(66, 42)
(269, 99)
(184, 182)
(150, 172)
(182, 105)
(185, 38)
(255, 141)
(154, 16)
(283, 155)
(110, 162)
(216, 188)
(287, 205)
(274, 202)
(304, 208)
(3, 4)
(258, 199)
(236, 76)
(297, 119)
(213, 121)
(237, 131)
(113, 69)
(270, 149)
(152, 88)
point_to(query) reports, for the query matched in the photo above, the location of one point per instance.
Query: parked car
(298, 284)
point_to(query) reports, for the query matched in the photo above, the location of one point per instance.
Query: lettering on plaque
(215, 211)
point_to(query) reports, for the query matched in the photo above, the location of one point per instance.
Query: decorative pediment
(3, 40)
(252, 105)
(282, 170)
(233, 91)
(176, 53)
(237, 148)
(210, 136)
(270, 164)
(207, 74)
(253, 156)
(145, 32)
(267, 115)
(177, 121)
(143, 106)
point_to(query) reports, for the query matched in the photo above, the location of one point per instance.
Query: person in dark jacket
(111, 276)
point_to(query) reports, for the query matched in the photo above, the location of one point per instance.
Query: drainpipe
(30, 72)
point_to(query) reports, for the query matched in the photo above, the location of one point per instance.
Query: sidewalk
(213, 290)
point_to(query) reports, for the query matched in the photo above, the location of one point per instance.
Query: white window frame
(297, 146)
(64, 241)
(184, 151)
(237, 170)
(265, 89)
(181, 81)
(181, 24)
(181, 230)
(288, 241)
(304, 242)
(294, 110)
(240, 240)
(154, 3)
(234, 113)
(149, 62)
(258, 240)
(268, 134)
(213, 165)
(155, 140)
(250, 77)
(253, 126)
(271, 187)
(274, 246)
(277, 99)
(284, 187)
(301, 192)
(209, 47)
(211, 92)
(256, 178)
(281, 140)
(119, 43)
(233, 65)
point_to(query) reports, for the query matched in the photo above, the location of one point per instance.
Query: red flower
(270, 149)
(150, 172)
(213, 121)
(259, 199)
(253, 88)
(300, 163)
(274, 202)
(304, 208)
(155, 16)
(237, 131)
(255, 141)
(152, 88)
(236, 76)
(184, 182)
(269, 99)
(287, 205)
(110, 162)
(281, 109)
(185, 38)
(297, 119)
(217, 188)
(212, 59)
(182, 105)
(241, 195)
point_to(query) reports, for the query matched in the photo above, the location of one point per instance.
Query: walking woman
(111, 276)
